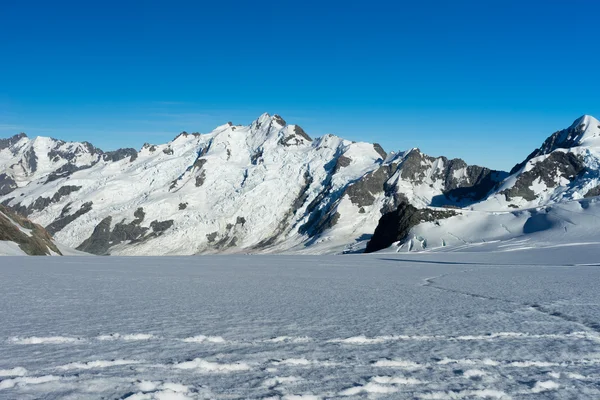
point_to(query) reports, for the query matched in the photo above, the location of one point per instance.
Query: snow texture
(432, 325)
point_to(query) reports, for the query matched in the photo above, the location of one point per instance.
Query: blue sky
(487, 81)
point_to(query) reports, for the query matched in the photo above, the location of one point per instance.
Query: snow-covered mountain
(266, 187)
(551, 191)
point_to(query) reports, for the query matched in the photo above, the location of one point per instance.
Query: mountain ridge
(263, 187)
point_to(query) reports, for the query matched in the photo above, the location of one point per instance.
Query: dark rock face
(7, 184)
(42, 202)
(227, 238)
(65, 171)
(564, 139)
(362, 192)
(396, 225)
(593, 192)
(118, 155)
(39, 243)
(557, 164)
(159, 227)
(98, 242)
(6, 143)
(461, 183)
(342, 162)
(103, 238)
(380, 150)
(64, 219)
(279, 120)
(31, 160)
(297, 137)
(183, 206)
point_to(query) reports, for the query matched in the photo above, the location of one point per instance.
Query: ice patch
(380, 385)
(17, 371)
(165, 391)
(474, 373)
(97, 364)
(288, 339)
(466, 361)
(204, 339)
(528, 364)
(544, 386)
(369, 388)
(363, 340)
(467, 394)
(45, 340)
(403, 364)
(303, 362)
(24, 381)
(280, 380)
(209, 366)
(127, 337)
(396, 380)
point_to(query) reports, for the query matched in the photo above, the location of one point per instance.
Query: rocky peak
(9, 142)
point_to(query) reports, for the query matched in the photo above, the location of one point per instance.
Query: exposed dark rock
(159, 227)
(7, 184)
(279, 120)
(123, 232)
(300, 132)
(9, 142)
(139, 215)
(31, 160)
(341, 162)
(557, 164)
(168, 151)
(256, 158)
(593, 192)
(183, 206)
(151, 147)
(42, 202)
(199, 163)
(99, 241)
(39, 243)
(564, 139)
(396, 225)
(362, 192)
(120, 154)
(201, 178)
(64, 219)
(103, 238)
(240, 221)
(285, 221)
(380, 150)
(66, 170)
(211, 237)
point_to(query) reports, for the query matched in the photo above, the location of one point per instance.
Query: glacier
(490, 323)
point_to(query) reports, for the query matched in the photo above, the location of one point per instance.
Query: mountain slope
(270, 187)
(265, 187)
(19, 236)
(547, 200)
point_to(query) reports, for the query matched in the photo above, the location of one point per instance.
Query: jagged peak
(8, 142)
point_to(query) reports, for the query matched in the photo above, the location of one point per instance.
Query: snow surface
(466, 324)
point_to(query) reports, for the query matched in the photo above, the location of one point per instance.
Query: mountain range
(269, 187)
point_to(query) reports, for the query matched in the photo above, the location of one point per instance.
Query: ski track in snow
(284, 328)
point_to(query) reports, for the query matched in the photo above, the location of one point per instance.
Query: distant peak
(6, 143)
(585, 122)
(279, 120)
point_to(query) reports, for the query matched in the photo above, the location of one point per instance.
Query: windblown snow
(464, 324)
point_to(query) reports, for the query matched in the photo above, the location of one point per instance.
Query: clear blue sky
(483, 80)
